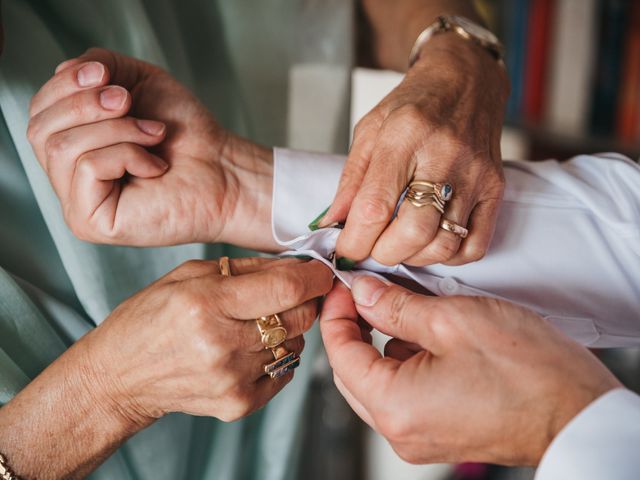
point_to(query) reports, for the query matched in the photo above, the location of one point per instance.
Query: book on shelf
(613, 16)
(537, 58)
(573, 42)
(628, 114)
(515, 33)
(574, 67)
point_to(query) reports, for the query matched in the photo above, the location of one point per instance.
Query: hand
(441, 124)
(189, 342)
(136, 159)
(186, 343)
(463, 379)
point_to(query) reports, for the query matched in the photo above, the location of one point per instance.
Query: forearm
(65, 423)
(392, 27)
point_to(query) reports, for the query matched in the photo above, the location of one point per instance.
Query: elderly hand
(136, 159)
(190, 343)
(441, 124)
(187, 343)
(463, 379)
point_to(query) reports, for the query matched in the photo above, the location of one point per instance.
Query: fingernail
(91, 74)
(151, 127)
(113, 98)
(160, 162)
(366, 290)
(345, 264)
(315, 223)
(299, 257)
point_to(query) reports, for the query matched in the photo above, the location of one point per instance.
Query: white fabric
(602, 442)
(567, 242)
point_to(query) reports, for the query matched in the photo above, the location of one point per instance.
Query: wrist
(250, 171)
(454, 57)
(106, 388)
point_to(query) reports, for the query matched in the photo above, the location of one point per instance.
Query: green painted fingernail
(299, 257)
(315, 224)
(345, 264)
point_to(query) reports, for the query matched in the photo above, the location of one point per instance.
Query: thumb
(398, 312)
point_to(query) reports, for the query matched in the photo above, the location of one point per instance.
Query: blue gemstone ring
(421, 193)
(444, 191)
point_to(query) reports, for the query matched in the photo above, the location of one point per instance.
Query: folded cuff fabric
(567, 240)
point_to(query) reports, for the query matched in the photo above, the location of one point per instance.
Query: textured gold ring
(421, 193)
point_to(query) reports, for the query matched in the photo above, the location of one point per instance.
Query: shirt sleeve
(567, 240)
(603, 441)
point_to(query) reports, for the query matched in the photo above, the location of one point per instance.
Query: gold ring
(285, 361)
(225, 268)
(454, 228)
(421, 193)
(272, 332)
(272, 335)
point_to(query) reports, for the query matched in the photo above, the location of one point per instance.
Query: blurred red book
(628, 122)
(537, 54)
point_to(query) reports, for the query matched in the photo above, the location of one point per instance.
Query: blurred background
(575, 77)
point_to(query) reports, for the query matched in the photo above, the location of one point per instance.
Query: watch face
(475, 30)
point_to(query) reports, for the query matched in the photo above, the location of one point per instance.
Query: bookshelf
(575, 72)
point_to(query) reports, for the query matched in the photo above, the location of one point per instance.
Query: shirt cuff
(602, 441)
(304, 185)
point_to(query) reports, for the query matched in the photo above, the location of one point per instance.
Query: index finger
(274, 290)
(78, 77)
(360, 367)
(373, 206)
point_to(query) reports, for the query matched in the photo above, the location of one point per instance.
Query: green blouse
(271, 70)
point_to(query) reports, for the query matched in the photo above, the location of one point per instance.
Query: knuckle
(411, 116)
(394, 426)
(56, 146)
(87, 164)
(475, 253)
(375, 209)
(444, 249)
(289, 290)
(78, 105)
(399, 306)
(33, 131)
(419, 232)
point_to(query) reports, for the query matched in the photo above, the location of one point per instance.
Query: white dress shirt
(567, 241)
(600, 443)
(567, 245)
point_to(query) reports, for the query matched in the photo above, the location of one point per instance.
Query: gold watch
(464, 27)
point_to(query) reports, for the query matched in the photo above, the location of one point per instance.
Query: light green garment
(238, 56)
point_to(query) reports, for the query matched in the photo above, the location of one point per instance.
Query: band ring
(225, 267)
(454, 228)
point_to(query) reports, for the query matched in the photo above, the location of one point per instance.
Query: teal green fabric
(236, 55)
